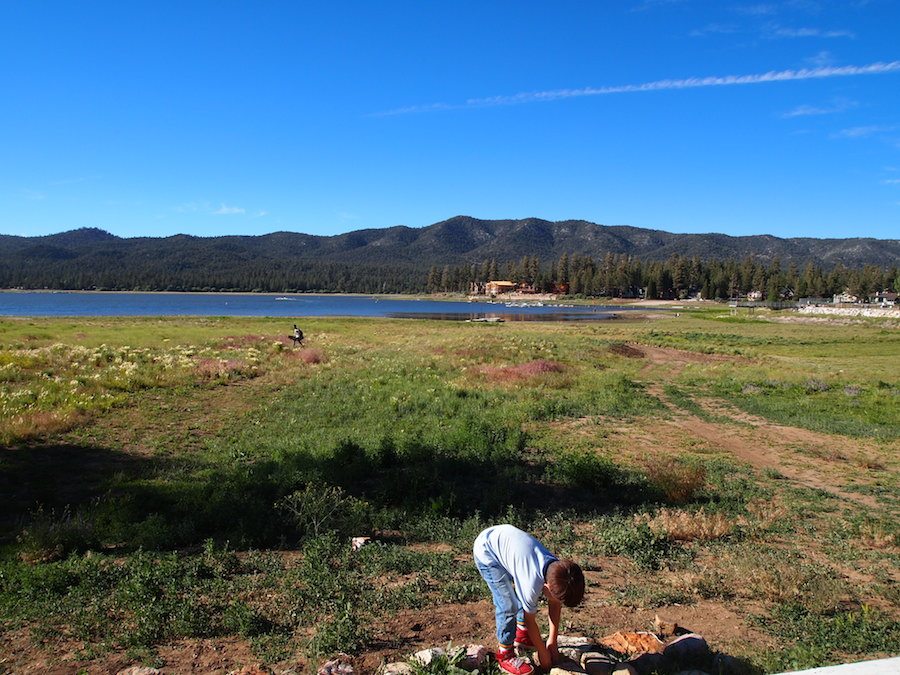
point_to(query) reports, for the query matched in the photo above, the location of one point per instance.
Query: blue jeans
(506, 606)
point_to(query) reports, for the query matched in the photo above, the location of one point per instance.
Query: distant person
(297, 337)
(518, 569)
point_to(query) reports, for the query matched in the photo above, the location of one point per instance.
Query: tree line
(613, 275)
(623, 276)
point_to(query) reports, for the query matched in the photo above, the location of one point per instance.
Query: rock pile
(669, 649)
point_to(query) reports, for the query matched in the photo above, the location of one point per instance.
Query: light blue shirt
(521, 555)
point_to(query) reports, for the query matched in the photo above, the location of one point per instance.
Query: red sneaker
(510, 663)
(522, 639)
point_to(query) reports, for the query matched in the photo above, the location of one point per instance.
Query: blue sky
(208, 118)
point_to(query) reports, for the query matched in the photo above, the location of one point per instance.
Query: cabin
(494, 288)
(885, 298)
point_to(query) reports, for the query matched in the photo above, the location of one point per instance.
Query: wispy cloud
(33, 195)
(225, 210)
(714, 29)
(262, 213)
(72, 181)
(761, 9)
(838, 106)
(783, 32)
(863, 132)
(891, 181)
(658, 85)
(821, 59)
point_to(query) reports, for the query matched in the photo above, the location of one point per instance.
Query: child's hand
(553, 648)
(545, 659)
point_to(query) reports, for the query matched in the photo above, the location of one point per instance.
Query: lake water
(49, 303)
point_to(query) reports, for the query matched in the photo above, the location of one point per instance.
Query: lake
(55, 303)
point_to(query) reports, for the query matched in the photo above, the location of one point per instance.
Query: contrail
(658, 85)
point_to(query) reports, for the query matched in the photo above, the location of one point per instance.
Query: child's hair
(566, 582)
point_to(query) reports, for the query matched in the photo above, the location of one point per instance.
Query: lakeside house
(494, 288)
(885, 298)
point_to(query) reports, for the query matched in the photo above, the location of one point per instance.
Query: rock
(624, 669)
(565, 667)
(667, 629)
(251, 670)
(357, 543)
(574, 641)
(647, 664)
(397, 669)
(426, 656)
(475, 657)
(687, 650)
(723, 664)
(139, 670)
(340, 665)
(631, 644)
(597, 663)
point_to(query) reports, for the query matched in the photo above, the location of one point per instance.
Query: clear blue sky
(156, 118)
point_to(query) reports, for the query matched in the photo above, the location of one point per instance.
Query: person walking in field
(518, 569)
(297, 337)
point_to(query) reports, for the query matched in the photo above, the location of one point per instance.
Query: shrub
(677, 482)
(698, 526)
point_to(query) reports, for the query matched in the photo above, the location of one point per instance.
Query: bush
(677, 482)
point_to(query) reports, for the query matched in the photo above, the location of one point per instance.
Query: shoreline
(435, 297)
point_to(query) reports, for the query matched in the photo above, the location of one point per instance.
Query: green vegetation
(198, 478)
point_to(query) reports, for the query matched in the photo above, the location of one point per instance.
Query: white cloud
(658, 85)
(33, 195)
(891, 181)
(782, 32)
(838, 106)
(820, 60)
(714, 29)
(261, 213)
(862, 132)
(225, 210)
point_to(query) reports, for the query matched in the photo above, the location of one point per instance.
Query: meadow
(181, 492)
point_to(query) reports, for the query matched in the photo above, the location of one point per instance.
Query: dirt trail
(757, 441)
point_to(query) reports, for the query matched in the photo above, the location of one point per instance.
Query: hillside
(390, 259)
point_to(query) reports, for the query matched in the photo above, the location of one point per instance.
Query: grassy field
(182, 492)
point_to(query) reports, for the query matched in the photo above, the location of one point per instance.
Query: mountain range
(455, 241)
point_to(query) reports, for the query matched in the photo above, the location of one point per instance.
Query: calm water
(48, 303)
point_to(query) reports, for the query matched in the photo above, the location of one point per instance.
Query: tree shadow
(57, 475)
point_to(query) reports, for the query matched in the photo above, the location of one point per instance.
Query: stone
(574, 641)
(357, 543)
(631, 644)
(624, 669)
(565, 667)
(397, 669)
(687, 650)
(597, 663)
(340, 665)
(648, 663)
(139, 670)
(426, 656)
(475, 658)
(252, 670)
(723, 664)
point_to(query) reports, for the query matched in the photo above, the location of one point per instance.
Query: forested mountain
(395, 259)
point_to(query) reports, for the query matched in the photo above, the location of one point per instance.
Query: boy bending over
(517, 568)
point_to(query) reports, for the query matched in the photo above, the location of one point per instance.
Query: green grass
(422, 433)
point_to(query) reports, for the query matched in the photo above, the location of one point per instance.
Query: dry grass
(874, 536)
(679, 483)
(38, 424)
(679, 525)
(311, 356)
(524, 371)
(627, 351)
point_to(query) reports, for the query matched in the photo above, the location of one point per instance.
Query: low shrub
(676, 481)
